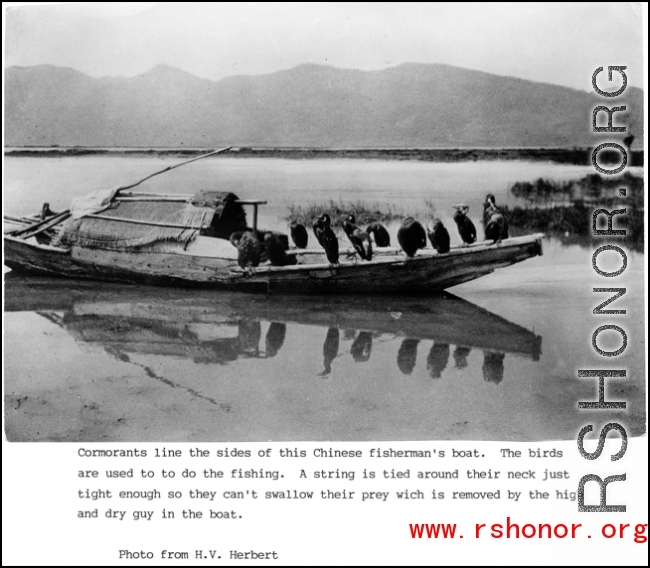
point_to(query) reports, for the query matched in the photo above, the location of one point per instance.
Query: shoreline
(573, 156)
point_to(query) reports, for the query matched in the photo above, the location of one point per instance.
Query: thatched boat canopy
(133, 221)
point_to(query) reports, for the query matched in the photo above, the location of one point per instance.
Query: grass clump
(567, 207)
(363, 211)
(542, 191)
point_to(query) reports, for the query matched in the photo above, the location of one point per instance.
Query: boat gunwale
(428, 255)
(36, 245)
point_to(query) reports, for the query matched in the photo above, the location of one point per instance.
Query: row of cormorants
(411, 236)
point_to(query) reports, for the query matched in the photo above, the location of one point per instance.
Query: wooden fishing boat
(212, 262)
(181, 239)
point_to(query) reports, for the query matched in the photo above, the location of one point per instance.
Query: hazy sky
(551, 42)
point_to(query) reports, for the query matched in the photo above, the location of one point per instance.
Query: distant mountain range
(411, 105)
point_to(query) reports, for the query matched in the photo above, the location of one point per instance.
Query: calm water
(497, 360)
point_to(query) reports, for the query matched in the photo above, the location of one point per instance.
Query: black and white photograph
(343, 222)
(329, 284)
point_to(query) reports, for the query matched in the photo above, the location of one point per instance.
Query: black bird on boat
(359, 239)
(488, 208)
(299, 234)
(327, 238)
(496, 227)
(411, 236)
(317, 226)
(379, 233)
(438, 235)
(249, 249)
(466, 228)
(494, 221)
(276, 253)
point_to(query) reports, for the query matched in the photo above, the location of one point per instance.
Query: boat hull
(424, 274)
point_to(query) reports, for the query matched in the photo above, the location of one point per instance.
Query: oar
(45, 224)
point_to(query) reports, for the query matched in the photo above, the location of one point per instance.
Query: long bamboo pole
(45, 224)
(122, 188)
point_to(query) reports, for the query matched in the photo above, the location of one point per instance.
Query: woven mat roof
(142, 223)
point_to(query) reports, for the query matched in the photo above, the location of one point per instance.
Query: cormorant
(494, 218)
(299, 234)
(488, 207)
(411, 236)
(466, 228)
(438, 235)
(407, 355)
(275, 338)
(327, 238)
(359, 239)
(379, 233)
(437, 359)
(317, 226)
(496, 227)
(330, 350)
(275, 251)
(249, 249)
(362, 347)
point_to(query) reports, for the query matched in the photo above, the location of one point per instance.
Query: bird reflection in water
(362, 347)
(275, 338)
(438, 359)
(460, 356)
(407, 355)
(330, 350)
(493, 366)
(221, 330)
(250, 333)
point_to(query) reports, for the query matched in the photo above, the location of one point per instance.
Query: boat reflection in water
(220, 328)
